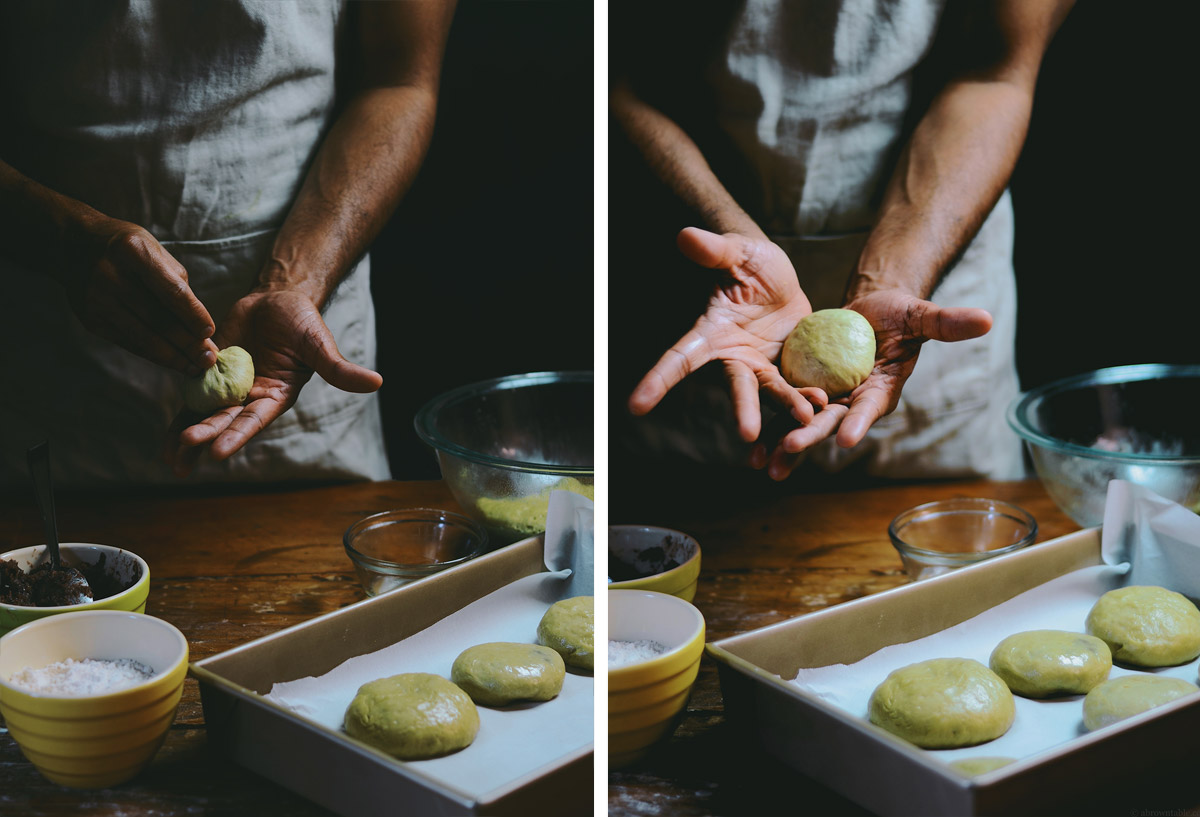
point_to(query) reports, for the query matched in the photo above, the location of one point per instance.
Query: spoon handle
(39, 469)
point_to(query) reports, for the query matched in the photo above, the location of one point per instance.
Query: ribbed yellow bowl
(93, 741)
(642, 546)
(646, 699)
(123, 561)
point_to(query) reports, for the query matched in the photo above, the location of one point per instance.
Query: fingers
(319, 351)
(743, 388)
(167, 280)
(712, 250)
(949, 323)
(865, 408)
(687, 355)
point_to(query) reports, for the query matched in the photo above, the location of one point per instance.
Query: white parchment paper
(512, 741)
(1144, 541)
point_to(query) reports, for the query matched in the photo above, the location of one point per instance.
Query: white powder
(624, 653)
(82, 678)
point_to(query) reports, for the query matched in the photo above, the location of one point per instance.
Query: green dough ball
(412, 716)
(499, 673)
(1041, 663)
(1147, 626)
(222, 385)
(972, 766)
(943, 703)
(567, 629)
(1127, 696)
(833, 349)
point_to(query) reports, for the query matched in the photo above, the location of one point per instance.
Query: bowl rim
(391, 568)
(671, 655)
(180, 662)
(426, 428)
(963, 502)
(665, 575)
(85, 607)
(1018, 410)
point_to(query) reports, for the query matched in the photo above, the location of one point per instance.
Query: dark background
(486, 268)
(1101, 193)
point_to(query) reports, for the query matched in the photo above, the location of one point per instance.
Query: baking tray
(888, 775)
(335, 771)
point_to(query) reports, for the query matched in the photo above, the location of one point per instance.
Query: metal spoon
(39, 469)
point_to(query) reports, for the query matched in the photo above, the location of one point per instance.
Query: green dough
(499, 673)
(567, 629)
(526, 515)
(1147, 626)
(1125, 697)
(1042, 663)
(972, 766)
(412, 716)
(833, 349)
(222, 385)
(943, 703)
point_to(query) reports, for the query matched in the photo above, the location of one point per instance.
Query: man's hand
(284, 332)
(751, 311)
(902, 323)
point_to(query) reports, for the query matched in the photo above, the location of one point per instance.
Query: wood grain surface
(225, 569)
(770, 553)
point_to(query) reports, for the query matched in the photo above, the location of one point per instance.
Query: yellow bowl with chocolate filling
(644, 557)
(655, 645)
(80, 724)
(120, 579)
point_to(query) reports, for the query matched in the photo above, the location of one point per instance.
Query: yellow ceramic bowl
(646, 698)
(93, 741)
(119, 563)
(642, 557)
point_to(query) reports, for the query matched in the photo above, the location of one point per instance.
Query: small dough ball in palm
(227, 383)
(832, 349)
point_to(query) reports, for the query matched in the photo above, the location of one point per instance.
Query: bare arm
(362, 169)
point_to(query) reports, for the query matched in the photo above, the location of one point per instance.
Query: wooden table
(225, 569)
(772, 552)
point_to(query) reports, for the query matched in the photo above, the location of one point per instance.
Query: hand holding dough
(832, 349)
(222, 385)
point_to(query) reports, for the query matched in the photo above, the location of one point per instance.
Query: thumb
(320, 353)
(953, 323)
(712, 250)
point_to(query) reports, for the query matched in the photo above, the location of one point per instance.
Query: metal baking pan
(323, 764)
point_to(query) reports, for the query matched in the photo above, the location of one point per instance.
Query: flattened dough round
(500, 672)
(1042, 663)
(567, 628)
(1147, 626)
(1128, 695)
(412, 716)
(943, 703)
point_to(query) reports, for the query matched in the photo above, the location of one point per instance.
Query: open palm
(752, 309)
(284, 332)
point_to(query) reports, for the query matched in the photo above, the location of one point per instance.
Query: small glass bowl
(938, 537)
(393, 548)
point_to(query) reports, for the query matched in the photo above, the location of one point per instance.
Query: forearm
(364, 166)
(37, 224)
(676, 160)
(949, 176)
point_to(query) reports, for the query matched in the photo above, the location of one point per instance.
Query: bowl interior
(639, 551)
(414, 537)
(642, 615)
(537, 422)
(1135, 412)
(112, 572)
(966, 526)
(95, 634)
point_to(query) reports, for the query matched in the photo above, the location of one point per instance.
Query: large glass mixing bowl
(503, 445)
(1135, 423)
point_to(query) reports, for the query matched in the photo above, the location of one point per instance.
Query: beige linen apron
(814, 96)
(196, 121)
